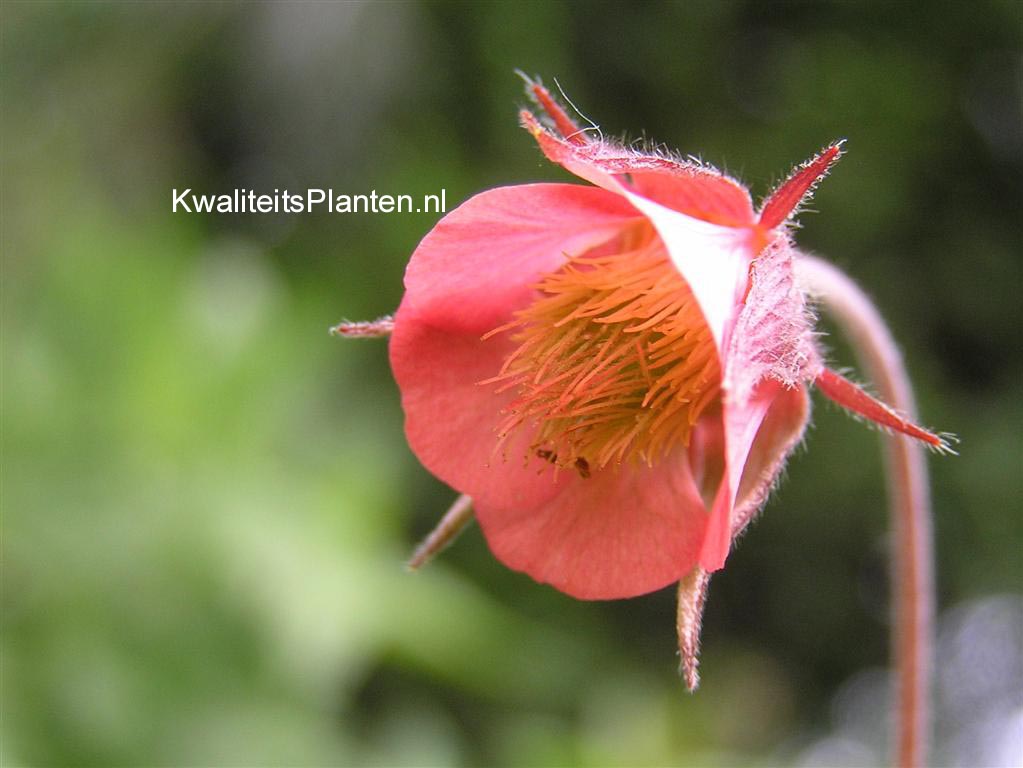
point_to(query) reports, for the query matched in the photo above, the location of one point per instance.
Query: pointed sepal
(450, 526)
(856, 400)
(364, 329)
(692, 595)
(786, 199)
(564, 124)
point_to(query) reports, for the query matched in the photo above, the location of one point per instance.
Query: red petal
(467, 277)
(616, 534)
(780, 432)
(700, 193)
(479, 263)
(753, 442)
(696, 190)
(450, 419)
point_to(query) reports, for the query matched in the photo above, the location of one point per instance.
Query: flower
(614, 374)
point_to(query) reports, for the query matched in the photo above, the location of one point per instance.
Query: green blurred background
(207, 500)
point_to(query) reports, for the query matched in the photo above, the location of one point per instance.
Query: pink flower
(615, 373)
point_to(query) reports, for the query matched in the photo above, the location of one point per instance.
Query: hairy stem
(909, 498)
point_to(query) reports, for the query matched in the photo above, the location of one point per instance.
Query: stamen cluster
(614, 360)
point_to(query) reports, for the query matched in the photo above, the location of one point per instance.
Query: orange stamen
(614, 361)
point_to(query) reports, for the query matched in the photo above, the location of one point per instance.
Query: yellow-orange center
(614, 360)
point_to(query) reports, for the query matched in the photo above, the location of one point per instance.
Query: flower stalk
(909, 501)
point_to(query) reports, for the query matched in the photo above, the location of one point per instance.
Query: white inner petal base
(713, 259)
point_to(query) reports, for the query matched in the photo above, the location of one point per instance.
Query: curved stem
(909, 498)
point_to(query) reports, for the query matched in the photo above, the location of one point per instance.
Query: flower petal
(466, 278)
(618, 533)
(450, 419)
(782, 429)
(479, 263)
(742, 422)
(691, 188)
